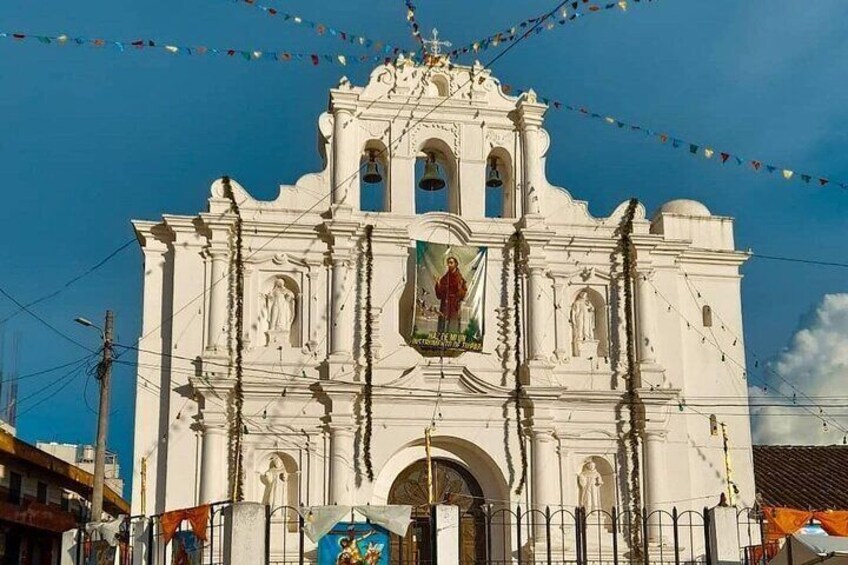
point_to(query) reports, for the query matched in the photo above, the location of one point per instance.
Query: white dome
(685, 207)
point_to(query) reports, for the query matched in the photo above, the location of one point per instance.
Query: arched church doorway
(453, 484)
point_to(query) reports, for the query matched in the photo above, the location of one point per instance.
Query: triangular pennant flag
(315, 59)
(609, 120)
(708, 153)
(771, 168)
(725, 157)
(787, 174)
(739, 160)
(342, 60)
(806, 178)
(675, 143)
(623, 5)
(663, 137)
(756, 165)
(823, 181)
(693, 149)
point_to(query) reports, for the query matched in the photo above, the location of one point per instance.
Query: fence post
(300, 525)
(488, 533)
(578, 536)
(707, 555)
(548, 533)
(614, 536)
(762, 534)
(80, 543)
(518, 533)
(674, 518)
(243, 533)
(723, 539)
(434, 533)
(150, 549)
(268, 533)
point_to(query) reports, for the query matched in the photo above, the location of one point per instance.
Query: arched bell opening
(500, 184)
(374, 178)
(436, 179)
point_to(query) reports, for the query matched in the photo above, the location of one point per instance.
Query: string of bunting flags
(694, 149)
(247, 55)
(572, 11)
(323, 29)
(413, 23)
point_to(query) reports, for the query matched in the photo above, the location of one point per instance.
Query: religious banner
(450, 292)
(101, 553)
(354, 543)
(187, 550)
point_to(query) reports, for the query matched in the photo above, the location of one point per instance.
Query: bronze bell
(493, 179)
(372, 170)
(432, 179)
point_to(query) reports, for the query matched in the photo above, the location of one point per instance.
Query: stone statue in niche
(590, 481)
(269, 479)
(583, 328)
(279, 311)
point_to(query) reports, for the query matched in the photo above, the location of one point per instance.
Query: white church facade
(602, 342)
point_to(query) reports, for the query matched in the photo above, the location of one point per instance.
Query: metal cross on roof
(434, 46)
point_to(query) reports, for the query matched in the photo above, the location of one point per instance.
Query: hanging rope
(237, 328)
(369, 357)
(519, 389)
(626, 244)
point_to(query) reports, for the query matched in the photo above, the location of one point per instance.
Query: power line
(70, 282)
(798, 260)
(49, 326)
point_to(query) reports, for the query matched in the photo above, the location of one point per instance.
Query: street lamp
(104, 375)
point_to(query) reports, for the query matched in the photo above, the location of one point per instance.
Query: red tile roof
(803, 477)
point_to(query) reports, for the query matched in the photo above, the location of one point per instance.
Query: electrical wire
(70, 282)
(44, 322)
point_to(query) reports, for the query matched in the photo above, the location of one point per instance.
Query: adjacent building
(42, 496)
(82, 456)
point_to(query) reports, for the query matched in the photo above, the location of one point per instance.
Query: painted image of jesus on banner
(449, 297)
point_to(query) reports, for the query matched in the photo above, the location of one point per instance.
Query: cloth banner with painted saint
(354, 543)
(450, 297)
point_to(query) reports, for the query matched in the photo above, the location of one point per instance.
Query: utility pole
(104, 375)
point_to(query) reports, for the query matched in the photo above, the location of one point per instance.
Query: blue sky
(92, 138)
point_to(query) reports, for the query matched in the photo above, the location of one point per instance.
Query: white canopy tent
(806, 549)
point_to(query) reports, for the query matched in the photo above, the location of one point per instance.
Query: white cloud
(816, 362)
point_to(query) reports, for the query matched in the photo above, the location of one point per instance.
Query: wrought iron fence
(598, 537)
(285, 542)
(500, 535)
(158, 552)
(489, 535)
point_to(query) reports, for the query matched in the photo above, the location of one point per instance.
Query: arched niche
(278, 486)
(446, 199)
(279, 318)
(592, 470)
(500, 202)
(375, 197)
(583, 346)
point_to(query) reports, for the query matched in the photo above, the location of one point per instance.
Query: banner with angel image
(450, 297)
(354, 543)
